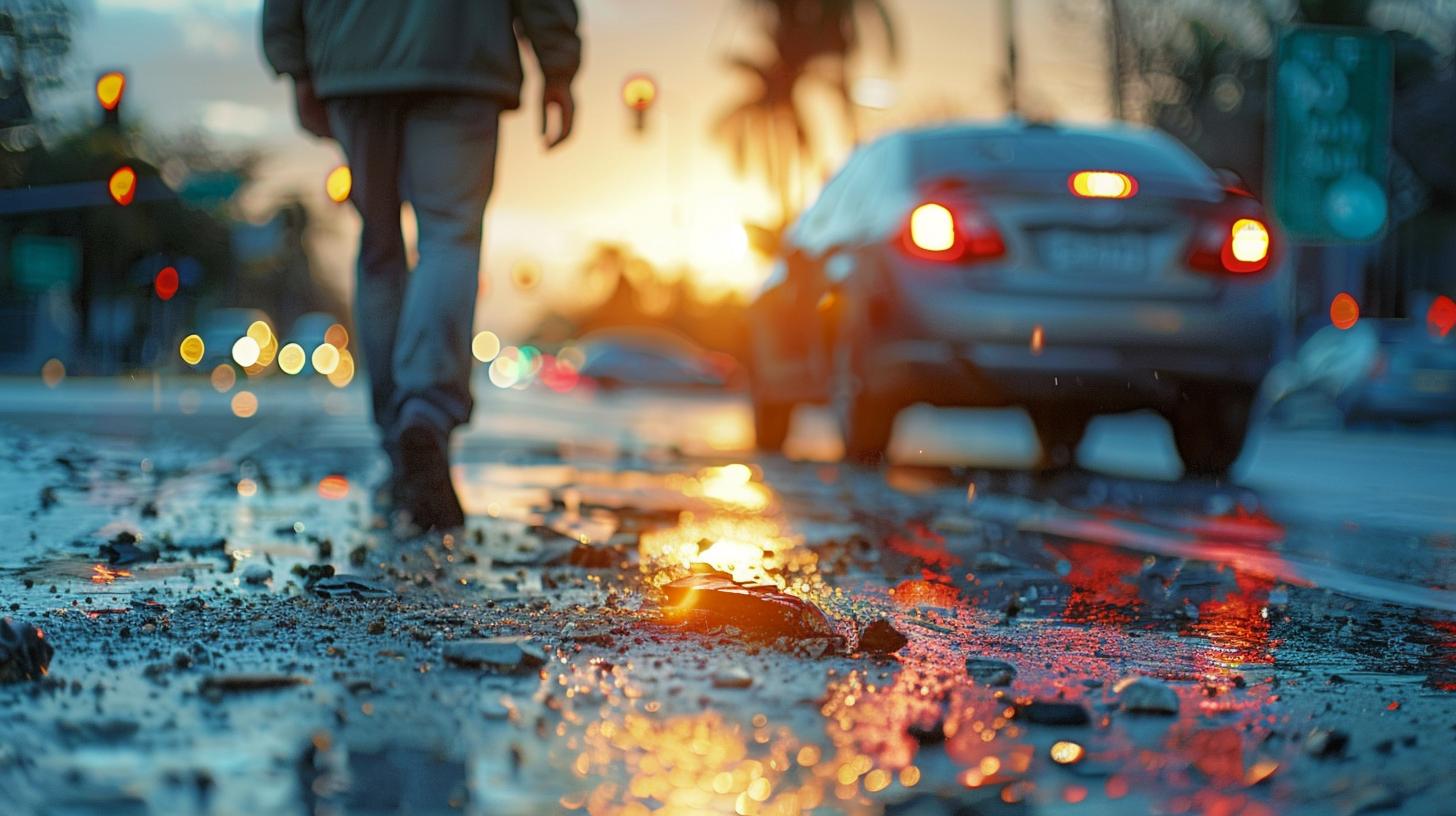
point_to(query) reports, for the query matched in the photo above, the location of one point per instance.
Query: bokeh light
(639, 92)
(932, 228)
(122, 186)
(1441, 317)
(246, 351)
(343, 372)
(337, 336)
(109, 88)
(52, 372)
(223, 378)
(333, 487)
(244, 404)
(247, 488)
(1344, 311)
(504, 372)
(192, 349)
(339, 183)
(325, 358)
(1103, 184)
(1066, 753)
(1249, 241)
(485, 346)
(291, 358)
(165, 283)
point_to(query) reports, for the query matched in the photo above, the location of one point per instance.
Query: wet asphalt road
(1297, 629)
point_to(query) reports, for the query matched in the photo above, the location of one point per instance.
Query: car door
(783, 329)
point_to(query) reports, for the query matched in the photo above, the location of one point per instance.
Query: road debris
(500, 654)
(25, 654)
(1144, 695)
(881, 638)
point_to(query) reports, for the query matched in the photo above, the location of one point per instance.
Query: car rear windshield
(1040, 152)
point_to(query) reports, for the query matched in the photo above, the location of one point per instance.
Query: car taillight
(938, 233)
(1241, 246)
(1102, 184)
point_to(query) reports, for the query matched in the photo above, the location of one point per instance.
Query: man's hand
(558, 96)
(311, 113)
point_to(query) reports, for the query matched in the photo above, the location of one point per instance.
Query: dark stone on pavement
(504, 654)
(1144, 695)
(928, 735)
(989, 671)
(256, 573)
(1326, 743)
(122, 550)
(881, 638)
(25, 654)
(1044, 712)
(349, 586)
(220, 684)
(713, 600)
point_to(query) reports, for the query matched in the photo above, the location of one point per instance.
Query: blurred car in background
(219, 329)
(1376, 371)
(1071, 272)
(653, 358)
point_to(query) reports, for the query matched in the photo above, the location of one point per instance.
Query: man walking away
(413, 92)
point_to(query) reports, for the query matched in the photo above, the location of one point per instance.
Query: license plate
(1434, 382)
(1104, 254)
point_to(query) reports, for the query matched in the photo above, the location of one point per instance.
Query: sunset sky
(670, 192)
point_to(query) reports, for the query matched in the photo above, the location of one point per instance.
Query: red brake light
(1102, 184)
(936, 232)
(1242, 246)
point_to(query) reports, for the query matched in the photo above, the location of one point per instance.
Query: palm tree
(767, 130)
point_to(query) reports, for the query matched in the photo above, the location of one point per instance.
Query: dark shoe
(423, 489)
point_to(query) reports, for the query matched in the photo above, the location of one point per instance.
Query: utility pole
(1008, 23)
(1115, 58)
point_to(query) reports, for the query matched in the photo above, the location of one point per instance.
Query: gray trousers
(438, 153)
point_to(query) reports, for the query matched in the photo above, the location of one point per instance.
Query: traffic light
(638, 94)
(122, 185)
(110, 87)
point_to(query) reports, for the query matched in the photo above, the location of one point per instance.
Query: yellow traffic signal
(122, 185)
(109, 88)
(339, 183)
(639, 92)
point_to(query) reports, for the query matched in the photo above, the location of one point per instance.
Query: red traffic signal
(166, 282)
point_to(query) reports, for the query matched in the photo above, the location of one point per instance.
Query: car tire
(866, 420)
(1209, 428)
(1060, 432)
(771, 424)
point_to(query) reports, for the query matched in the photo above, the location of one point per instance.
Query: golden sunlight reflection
(102, 574)
(631, 759)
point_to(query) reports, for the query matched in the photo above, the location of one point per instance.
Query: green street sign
(1330, 114)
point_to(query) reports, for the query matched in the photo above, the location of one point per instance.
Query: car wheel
(1209, 428)
(771, 424)
(1059, 432)
(866, 420)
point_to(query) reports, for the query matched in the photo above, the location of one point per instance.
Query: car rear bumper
(1107, 377)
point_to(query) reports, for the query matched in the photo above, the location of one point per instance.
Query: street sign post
(1330, 114)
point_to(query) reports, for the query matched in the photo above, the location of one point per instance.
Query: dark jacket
(364, 47)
